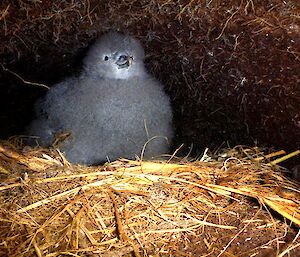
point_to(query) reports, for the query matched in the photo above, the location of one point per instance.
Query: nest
(232, 71)
(238, 205)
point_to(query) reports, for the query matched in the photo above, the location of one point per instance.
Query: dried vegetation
(238, 205)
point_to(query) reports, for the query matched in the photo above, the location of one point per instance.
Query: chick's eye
(105, 58)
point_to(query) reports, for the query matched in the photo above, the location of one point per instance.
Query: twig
(288, 250)
(268, 156)
(284, 158)
(23, 80)
(226, 23)
(123, 236)
(4, 13)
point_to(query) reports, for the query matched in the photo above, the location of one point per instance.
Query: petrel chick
(113, 109)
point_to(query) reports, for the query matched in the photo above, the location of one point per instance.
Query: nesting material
(231, 206)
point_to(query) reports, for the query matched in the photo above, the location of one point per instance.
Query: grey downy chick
(113, 109)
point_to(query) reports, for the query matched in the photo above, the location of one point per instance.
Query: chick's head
(115, 56)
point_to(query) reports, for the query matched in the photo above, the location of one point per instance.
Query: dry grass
(52, 208)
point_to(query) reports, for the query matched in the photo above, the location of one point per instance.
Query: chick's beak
(124, 61)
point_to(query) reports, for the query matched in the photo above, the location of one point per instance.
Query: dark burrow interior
(230, 68)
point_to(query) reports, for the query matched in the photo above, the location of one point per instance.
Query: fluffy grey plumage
(112, 109)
